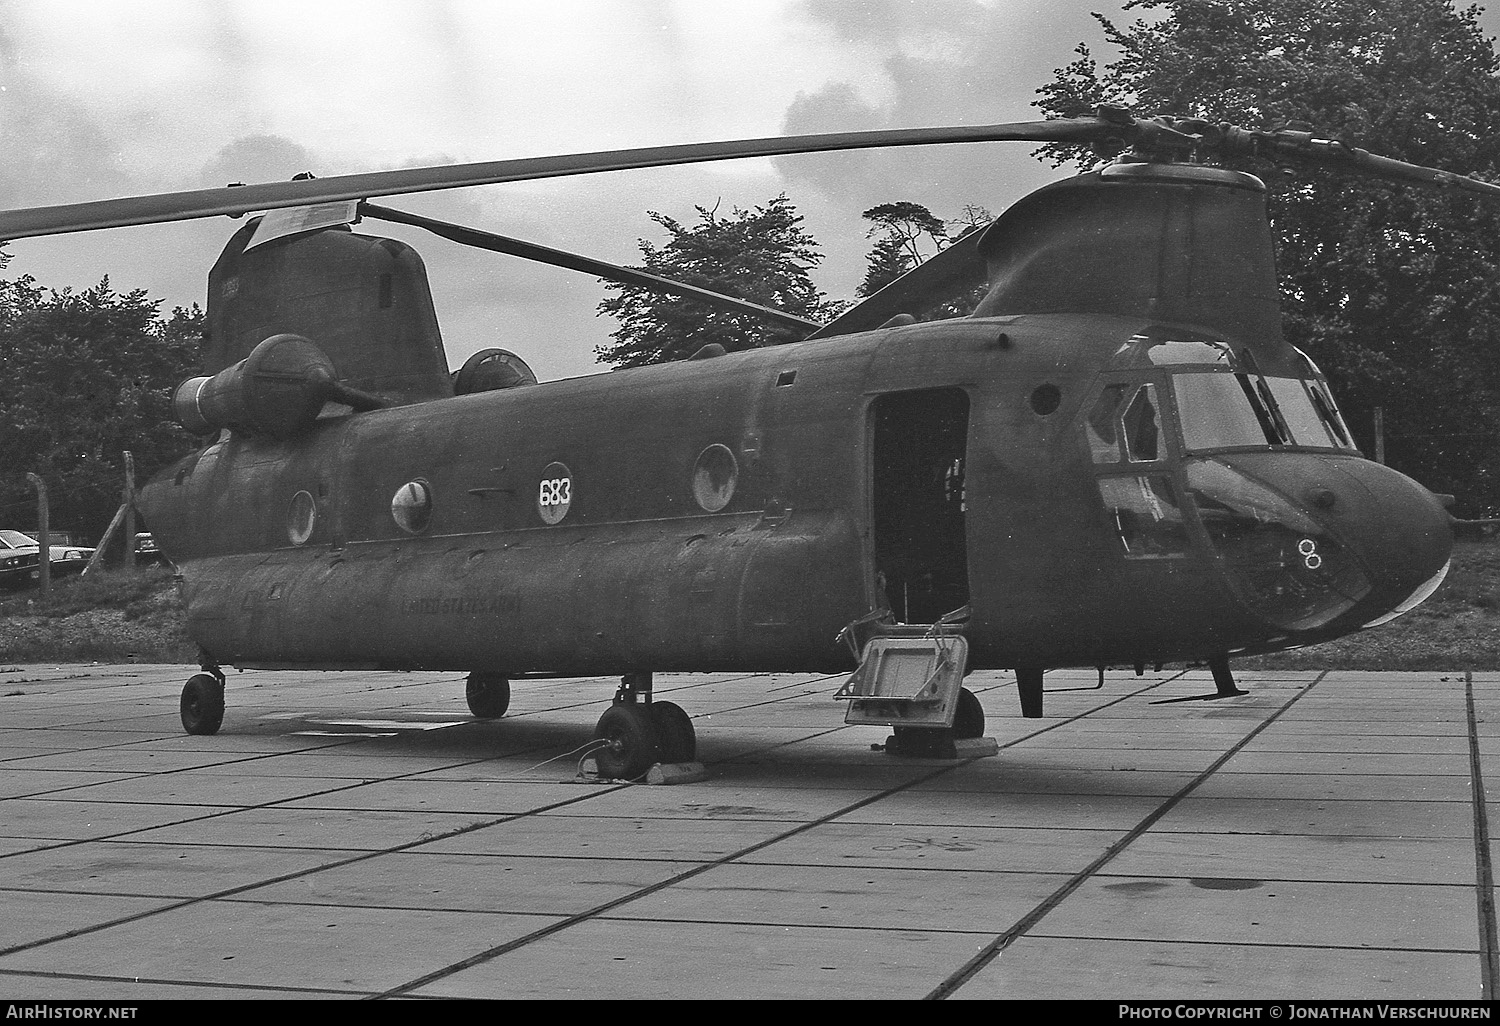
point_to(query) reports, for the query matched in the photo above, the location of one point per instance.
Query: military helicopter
(1117, 459)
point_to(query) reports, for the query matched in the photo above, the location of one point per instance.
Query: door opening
(917, 505)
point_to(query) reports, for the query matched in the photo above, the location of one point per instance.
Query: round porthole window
(554, 496)
(411, 507)
(714, 477)
(1045, 399)
(301, 518)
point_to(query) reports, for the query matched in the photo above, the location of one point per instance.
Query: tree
(762, 255)
(1392, 289)
(900, 229)
(84, 377)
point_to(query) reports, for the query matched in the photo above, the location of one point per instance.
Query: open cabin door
(917, 502)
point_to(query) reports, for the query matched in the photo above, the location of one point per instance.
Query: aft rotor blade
(588, 265)
(931, 281)
(1294, 145)
(180, 206)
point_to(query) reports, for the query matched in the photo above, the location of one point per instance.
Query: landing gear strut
(1224, 684)
(1029, 684)
(640, 732)
(202, 705)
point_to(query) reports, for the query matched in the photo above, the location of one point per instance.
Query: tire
(488, 695)
(968, 718)
(202, 704)
(674, 731)
(633, 741)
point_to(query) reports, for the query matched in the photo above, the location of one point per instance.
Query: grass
(135, 616)
(112, 616)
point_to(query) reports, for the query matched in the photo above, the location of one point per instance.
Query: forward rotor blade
(588, 265)
(933, 280)
(179, 206)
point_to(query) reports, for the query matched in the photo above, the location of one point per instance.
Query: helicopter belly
(688, 594)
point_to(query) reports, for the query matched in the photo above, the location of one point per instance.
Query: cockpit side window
(1142, 428)
(1125, 422)
(1330, 415)
(1147, 516)
(1104, 438)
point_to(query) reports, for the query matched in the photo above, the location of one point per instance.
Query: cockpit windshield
(1225, 398)
(1221, 410)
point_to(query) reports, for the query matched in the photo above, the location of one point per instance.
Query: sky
(103, 98)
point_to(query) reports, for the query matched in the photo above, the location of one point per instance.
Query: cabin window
(714, 478)
(301, 518)
(411, 507)
(1147, 515)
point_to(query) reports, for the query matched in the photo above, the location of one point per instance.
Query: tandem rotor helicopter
(1116, 459)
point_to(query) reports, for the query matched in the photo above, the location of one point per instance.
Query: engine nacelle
(278, 390)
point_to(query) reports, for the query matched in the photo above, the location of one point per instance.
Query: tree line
(1394, 291)
(84, 377)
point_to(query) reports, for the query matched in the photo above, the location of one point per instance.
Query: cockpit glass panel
(1200, 354)
(1329, 412)
(1298, 412)
(1142, 427)
(1147, 515)
(1215, 412)
(1280, 561)
(1104, 440)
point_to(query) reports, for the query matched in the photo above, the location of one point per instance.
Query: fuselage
(736, 512)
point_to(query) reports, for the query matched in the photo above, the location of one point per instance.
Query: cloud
(257, 158)
(950, 62)
(45, 132)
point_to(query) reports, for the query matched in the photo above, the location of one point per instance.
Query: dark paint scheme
(638, 575)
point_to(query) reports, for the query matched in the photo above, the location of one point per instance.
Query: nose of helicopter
(1398, 533)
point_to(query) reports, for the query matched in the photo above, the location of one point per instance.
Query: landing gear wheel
(968, 718)
(488, 695)
(202, 704)
(674, 731)
(919, 742)
(633, 745)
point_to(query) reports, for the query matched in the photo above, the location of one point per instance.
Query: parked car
(65, 559)
(19, 567)
(146, 550)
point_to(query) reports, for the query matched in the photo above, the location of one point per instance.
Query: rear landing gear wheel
(968, 718)
(488, 695)
(674, 731)
(202, 704)
(634, 744)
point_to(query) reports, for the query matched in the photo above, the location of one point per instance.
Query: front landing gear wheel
(968, 719)
(633, 738)
(674, 731)
(488, 695)
(202, 704)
